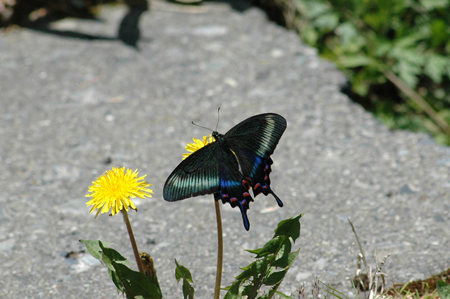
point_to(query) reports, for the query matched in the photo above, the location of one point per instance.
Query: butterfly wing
(258, 134)
(198, 174)
(232, 187)
(253, 141)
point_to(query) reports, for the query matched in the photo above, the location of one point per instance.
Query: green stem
(219, 249)
(133, 241)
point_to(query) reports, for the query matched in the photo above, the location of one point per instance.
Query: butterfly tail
(244, 216)
(280, 203)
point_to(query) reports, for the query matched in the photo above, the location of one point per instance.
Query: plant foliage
(443, 289)
(396, 54)
(182, 272)
(132, 283)
(262, 278)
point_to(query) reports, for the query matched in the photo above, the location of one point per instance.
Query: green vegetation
(396, 54)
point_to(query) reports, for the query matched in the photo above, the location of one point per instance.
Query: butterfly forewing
(258, 134)
(196, 175)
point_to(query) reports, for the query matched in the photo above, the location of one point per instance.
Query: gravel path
(74, 97)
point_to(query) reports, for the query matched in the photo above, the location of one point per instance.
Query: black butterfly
(232, 164)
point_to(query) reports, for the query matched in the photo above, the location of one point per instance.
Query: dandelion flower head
(197, 144)
(113, 190)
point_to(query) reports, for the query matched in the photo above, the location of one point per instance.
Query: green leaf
(327, 22)
(348, 32)
(354, 61)
(432, 4)
(188, 290)
(233, 291)
(289, 227)
(286, 261)
(436, 67)
(407, 72)
(282, 257)
(136, 283)
(439, 32)
(275, 277)
(314, 10)
(128, 281)
(182, 272)
(252, 270)
(270, 247)
(93, 247)
(443, 289)
(112, 254)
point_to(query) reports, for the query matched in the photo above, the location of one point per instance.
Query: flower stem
(133, 241)
(219, 249)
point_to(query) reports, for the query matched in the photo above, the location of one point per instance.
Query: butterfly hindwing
(253, 141)
(196, 175)
(233, 188)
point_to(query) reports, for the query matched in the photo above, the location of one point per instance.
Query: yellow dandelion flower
(113, 190)
(198, 144)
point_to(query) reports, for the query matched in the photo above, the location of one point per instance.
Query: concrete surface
(73, 96)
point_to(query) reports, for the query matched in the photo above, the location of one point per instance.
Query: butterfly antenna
(197, 125)
(218, 117)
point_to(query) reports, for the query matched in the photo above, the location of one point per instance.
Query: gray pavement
(69, 104)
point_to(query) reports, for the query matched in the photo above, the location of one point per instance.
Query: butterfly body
(230, 166)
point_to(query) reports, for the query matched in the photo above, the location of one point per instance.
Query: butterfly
(231, 165)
